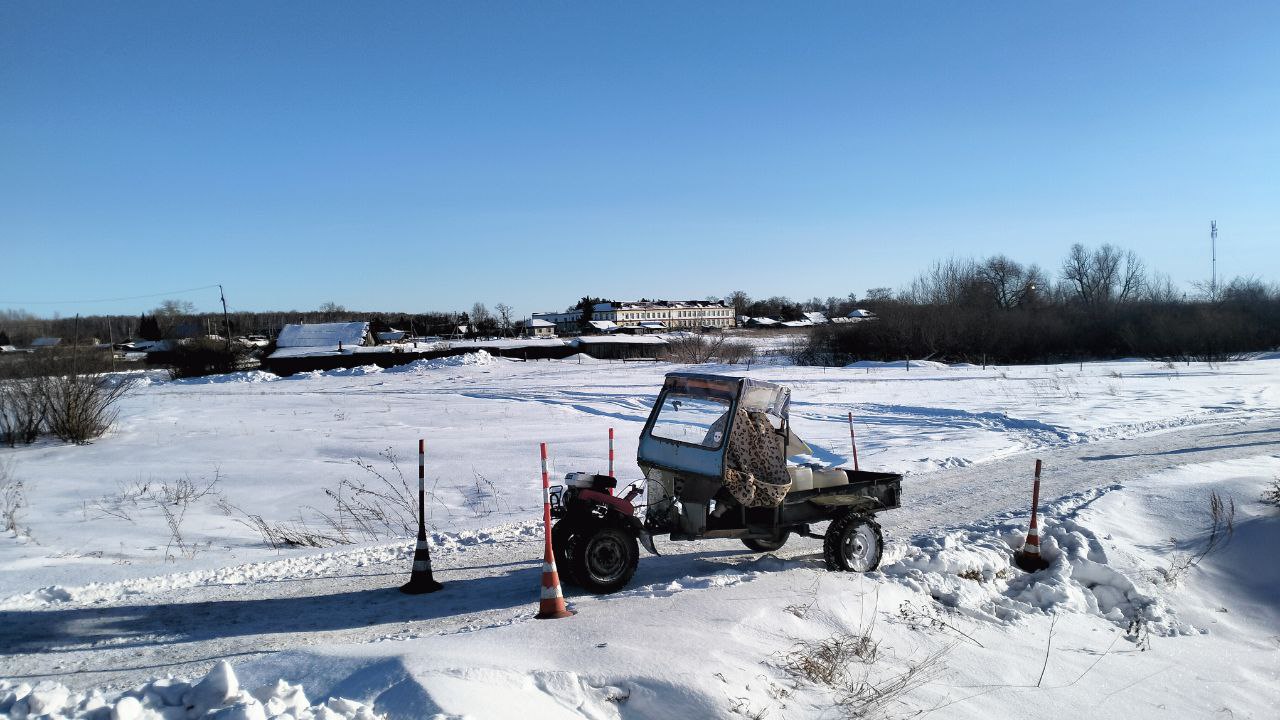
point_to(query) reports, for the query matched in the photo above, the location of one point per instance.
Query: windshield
(692, 419)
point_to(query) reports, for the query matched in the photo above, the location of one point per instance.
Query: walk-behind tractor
(715, 452)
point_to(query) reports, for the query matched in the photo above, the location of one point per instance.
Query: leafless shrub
(1221, 527)
(927, 617)
(1139, 632)
(22, 410)
(1271, 495)
(742, 706)
(843, 664)
(483, 498)
(699, 349)
(171, 499)
(290, 535)
(872, 698)
(12, 497)
(199, 357)
(122, 504)
(376, 505)
(80, 408)
(827, 661)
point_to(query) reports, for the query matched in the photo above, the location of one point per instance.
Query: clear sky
(426, 155)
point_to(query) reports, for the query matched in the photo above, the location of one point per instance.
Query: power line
(103, 300)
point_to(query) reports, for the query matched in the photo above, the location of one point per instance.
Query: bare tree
(504, 317)
(1010, 283)
(1104, 276)
(878, 295)
(946, 282)
(331, 311)
(175, 308)
(739, 300)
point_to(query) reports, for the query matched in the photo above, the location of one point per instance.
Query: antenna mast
(1213, 243)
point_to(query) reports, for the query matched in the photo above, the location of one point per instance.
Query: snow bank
(922, 364)
(216, 696)
(971, 571)
(247, 376)
(417, 367)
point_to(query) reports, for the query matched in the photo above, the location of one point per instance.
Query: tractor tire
(564, 536)
(767, 544)
(604, 558)
(853, 543)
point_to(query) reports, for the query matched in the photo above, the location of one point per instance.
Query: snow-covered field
(137, 557)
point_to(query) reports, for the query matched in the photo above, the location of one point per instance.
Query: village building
(536, 328)
(647, 315)
(307, 339)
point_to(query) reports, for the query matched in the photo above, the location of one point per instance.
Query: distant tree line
(1103, 303)
(178, 319)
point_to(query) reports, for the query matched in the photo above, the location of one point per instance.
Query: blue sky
(423, 156)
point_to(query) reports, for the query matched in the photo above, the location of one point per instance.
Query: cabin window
(695, 420)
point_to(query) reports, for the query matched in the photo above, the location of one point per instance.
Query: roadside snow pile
(218, 695)
(246, 376)
(308, 566)
(971, 571)
(360, 371)
(418, 367)
(921, 364)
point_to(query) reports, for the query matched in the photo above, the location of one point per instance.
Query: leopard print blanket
(756, 468)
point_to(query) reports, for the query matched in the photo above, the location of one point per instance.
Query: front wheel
(853, 543)
(767, 544)
(604, 558)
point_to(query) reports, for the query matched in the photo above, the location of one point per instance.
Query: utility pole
(1213, 244)
(225, 320)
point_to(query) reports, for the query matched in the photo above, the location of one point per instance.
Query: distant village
(614, 330)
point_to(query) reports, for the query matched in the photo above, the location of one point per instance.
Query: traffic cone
(1028, 558)
(551, 603)
(420, 579)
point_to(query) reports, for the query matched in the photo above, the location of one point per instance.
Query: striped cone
(1029, 557)
(420, 579)
(551, 603)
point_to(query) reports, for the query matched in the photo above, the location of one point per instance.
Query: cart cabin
(689, 425)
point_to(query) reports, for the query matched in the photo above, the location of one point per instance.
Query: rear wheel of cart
(767, 544)
(853, 543)
(604, 558)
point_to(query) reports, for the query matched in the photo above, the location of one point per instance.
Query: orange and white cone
(1028, 558)
(551, 603)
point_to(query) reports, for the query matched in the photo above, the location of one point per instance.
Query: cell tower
(1213, 244)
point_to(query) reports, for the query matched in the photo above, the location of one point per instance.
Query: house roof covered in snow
(604, 325)
(618, 340)
(535, 323)
(322, 334)
(816, 317)
(860, 313)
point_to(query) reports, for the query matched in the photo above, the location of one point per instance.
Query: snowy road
(123, 633)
